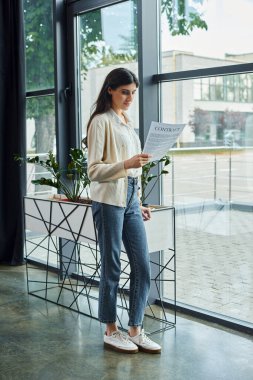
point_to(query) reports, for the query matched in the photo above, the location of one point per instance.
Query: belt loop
(133, 180)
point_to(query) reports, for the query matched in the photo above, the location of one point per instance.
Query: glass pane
(107, 38)
(39, 43)
(40, 131)
(211, 185)
(201, 33)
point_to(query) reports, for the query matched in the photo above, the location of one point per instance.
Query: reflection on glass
(107, 38)
(40, 132)
(211, 185)
(39, 44)
(202, 33)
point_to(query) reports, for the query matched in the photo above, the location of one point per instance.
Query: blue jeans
(116, 224)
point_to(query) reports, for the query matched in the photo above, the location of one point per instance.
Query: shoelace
(144, 337)
(119, 335)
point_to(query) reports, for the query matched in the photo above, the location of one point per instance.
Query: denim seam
(104, 269)
(136, 282)
(135, 287)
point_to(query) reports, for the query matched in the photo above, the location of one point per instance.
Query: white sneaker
(117, 341)
(145, 344)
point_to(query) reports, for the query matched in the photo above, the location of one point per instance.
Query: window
(210, 183)
(106, 39)
(211, 175)
(39, 44)
(40, 105)
(236, 88)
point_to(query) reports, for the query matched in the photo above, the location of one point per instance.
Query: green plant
(182, 17)
(148, 178)
(70, 181)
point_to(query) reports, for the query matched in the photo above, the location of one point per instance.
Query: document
(161, 137)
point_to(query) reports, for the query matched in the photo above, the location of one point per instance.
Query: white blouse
(130, 140)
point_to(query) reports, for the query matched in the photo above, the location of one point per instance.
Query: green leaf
(45, 182)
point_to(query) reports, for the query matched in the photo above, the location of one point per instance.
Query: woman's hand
(137, 161)
(146, 213)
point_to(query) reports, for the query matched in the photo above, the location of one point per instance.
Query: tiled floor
(215, 262)
(42, 341)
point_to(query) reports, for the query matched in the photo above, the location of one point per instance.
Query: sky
(117, 20)
(229, 30)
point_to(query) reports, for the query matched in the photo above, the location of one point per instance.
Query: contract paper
(161, 137)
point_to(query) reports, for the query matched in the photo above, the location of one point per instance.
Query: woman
(114, 165)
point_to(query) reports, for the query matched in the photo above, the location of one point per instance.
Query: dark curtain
(12, 131)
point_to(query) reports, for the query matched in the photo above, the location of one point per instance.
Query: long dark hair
(116, 78)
